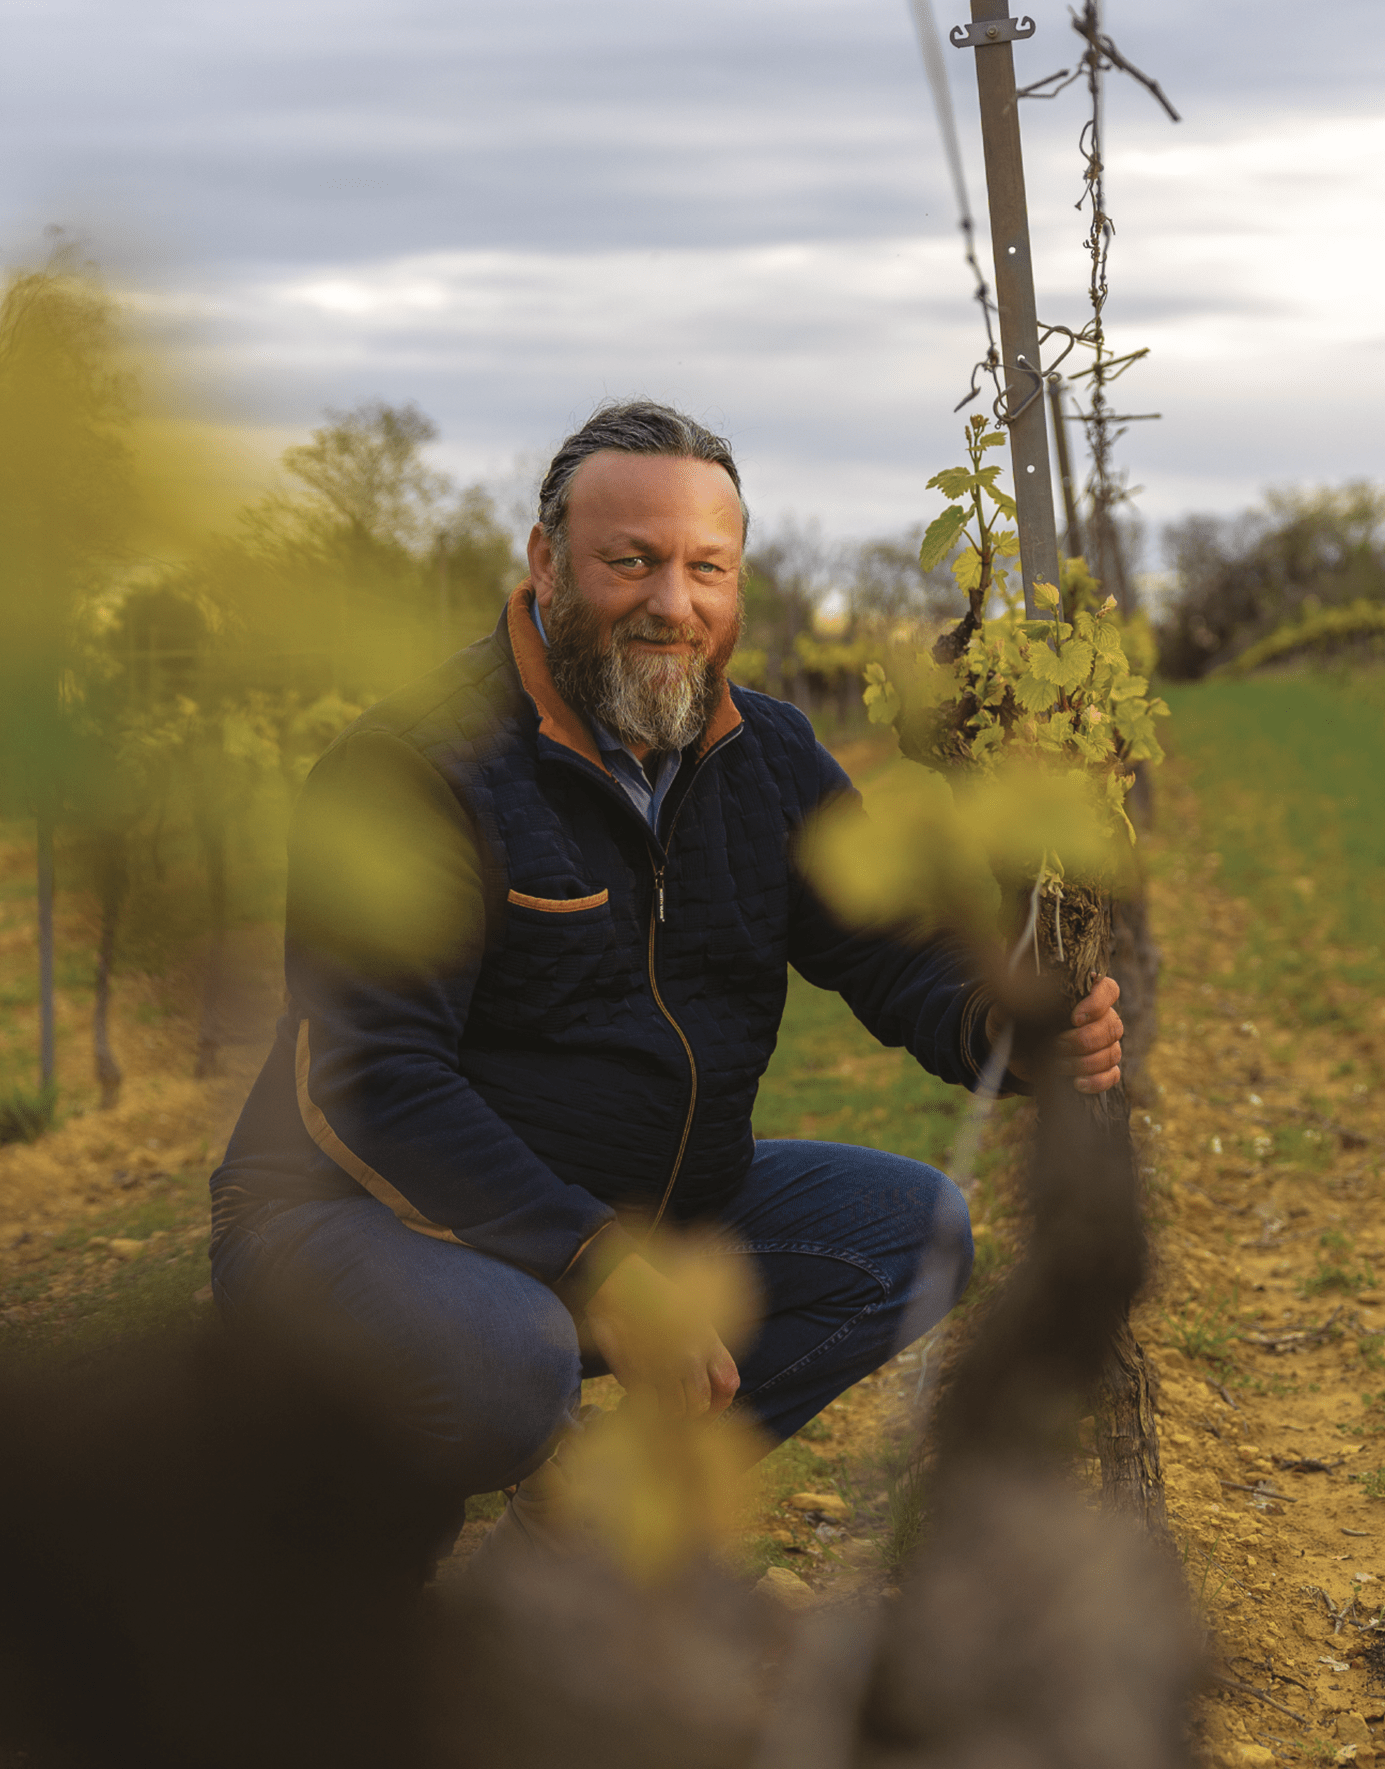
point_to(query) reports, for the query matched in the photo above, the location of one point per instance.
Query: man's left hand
(1091, 1051)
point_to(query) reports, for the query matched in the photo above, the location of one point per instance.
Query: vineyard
(1125, 1502)
(1260, 1136)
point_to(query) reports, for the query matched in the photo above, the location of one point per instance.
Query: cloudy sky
(506, 212)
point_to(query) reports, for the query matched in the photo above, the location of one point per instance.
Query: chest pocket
(559, 964)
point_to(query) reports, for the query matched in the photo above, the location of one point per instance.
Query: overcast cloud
(740, 206)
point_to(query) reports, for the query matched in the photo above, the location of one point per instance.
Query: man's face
(644, 611)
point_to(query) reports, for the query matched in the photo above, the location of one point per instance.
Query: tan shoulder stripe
(322, 1133)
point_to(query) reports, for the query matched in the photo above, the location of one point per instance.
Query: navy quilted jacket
(513, 1008)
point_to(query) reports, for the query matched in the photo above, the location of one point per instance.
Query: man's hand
(1091, 1052)
(655, 1340)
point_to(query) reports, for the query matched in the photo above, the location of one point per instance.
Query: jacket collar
(557, 720)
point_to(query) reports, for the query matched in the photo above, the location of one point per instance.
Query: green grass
(153, 1292)
(795, 1467)
(1333, 1272)
(829, 1080)
(25, 1113)
(1288, 769)
(1206, 1334)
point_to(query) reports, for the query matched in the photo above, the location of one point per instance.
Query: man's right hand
(657, 1342)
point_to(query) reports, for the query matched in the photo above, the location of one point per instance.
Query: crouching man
(541, 908)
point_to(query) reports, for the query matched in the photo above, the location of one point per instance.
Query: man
(541, 907)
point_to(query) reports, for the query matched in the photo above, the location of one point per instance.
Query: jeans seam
(817, 1250)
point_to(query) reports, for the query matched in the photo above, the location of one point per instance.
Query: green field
(1290, 772)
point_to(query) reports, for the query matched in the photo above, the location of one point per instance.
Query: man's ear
(541, 567)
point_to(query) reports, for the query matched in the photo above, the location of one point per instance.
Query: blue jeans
(857, 1253)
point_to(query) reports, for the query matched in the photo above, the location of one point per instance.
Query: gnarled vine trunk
(1077, 933)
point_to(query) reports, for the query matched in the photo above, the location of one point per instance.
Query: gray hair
(632, 427)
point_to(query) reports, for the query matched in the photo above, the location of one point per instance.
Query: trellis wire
(1104, 488)
(931, 44)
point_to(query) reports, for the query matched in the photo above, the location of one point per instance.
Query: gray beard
(664, 702)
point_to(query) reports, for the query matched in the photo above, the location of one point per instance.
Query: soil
(1262, 1144)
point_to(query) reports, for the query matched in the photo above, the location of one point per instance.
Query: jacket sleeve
(385, 933)
(920, 996)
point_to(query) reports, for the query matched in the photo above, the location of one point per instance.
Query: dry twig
(1240, 1688)
(1261, 1492)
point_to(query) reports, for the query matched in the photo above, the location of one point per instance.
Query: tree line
(162, 697)
(163, 692)
(1303, 574)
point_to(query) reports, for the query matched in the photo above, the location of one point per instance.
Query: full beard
(665, 702)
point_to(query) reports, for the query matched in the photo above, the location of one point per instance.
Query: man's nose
(668, 597)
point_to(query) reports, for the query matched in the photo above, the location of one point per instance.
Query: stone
(123, 1248)
(1352, 1729)
(787, 1588)
(1244, 1756)
(827, 1503)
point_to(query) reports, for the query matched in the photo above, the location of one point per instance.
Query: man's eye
(632, 559)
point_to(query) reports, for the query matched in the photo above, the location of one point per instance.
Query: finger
(725, 1380)
(1103, 997)
(1097, 1083)
(1096, 1064)
(1109, 1029)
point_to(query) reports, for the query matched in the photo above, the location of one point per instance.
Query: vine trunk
(1075, 932)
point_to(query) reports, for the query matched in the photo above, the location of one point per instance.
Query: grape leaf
(1001, 499)
(1034, 694)
(941, 536)
(1074, 663)
(953, 482)
(966, 568)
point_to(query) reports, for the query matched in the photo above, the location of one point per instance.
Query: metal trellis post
(990, 35)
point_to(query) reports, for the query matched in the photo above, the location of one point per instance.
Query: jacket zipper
(656, 915)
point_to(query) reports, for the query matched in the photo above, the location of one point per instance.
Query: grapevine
(1057, 693)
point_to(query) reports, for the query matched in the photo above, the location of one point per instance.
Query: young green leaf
(953, 482)
(1034, 694)
(941, 536)
(966, 568)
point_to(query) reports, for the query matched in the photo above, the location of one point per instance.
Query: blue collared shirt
(626, 766)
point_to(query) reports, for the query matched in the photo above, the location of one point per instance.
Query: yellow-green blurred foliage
(166, 684)
(654, 1491)
(927, 852)
(384, 878)
(657, 1493)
